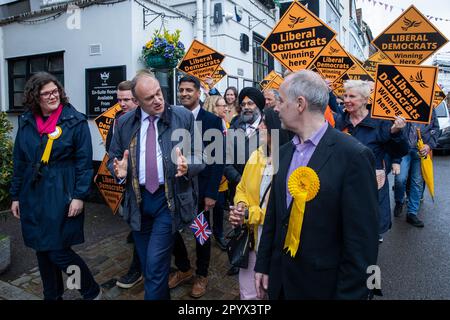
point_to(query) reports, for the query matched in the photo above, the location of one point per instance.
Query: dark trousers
(135, 265)
(203, 251)
(218, 215)
(53, 263)
(154, 244)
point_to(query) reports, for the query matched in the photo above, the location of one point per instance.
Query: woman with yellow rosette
(52, 175)
(251, 199)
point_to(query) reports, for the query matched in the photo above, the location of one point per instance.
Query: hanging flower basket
(159, 62)
(163, 50)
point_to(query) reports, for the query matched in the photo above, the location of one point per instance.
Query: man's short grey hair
(276, 94)
(364, 88)
(141, 74)
(311, 86)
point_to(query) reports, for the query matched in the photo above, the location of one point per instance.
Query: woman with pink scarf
(52, 175)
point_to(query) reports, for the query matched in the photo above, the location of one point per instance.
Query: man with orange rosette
(321, 227)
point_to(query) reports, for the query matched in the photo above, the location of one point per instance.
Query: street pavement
(414, 262)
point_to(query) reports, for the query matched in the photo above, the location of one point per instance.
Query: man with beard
(244, 129)
(242, 140)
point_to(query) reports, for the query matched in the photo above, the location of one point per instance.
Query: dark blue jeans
(154, 244)
(410, 166)
(53, 263)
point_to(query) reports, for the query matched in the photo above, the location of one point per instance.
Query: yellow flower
(149, 44)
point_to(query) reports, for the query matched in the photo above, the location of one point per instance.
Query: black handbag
(241, 241)
(238, 247)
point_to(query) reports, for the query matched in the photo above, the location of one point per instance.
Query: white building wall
(140, 36)
(225, 37)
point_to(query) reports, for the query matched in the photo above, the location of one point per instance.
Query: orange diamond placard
(275, 83)
(105, 120)
(356, 72)
(200, 61)
(406, 91)
(272, 81)
(439, 96)
(371, 64)
(298, 38)
(218, 75)
(264, 82)
(410, 39)
(333, 61)
(110, 190)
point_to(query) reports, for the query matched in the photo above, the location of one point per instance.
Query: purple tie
(151, 166)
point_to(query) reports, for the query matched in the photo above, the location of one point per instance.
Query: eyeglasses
(47, 94)
(249, 103)
(221, 105)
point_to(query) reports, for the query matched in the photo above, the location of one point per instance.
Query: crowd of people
(311, 185)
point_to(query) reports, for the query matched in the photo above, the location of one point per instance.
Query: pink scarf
(49, 125)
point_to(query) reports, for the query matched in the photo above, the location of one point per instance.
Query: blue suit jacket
(209, 178)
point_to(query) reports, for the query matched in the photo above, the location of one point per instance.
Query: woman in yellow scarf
(252, 194)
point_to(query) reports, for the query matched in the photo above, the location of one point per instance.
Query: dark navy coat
(376, 134)
(210, 177)
(44, 192)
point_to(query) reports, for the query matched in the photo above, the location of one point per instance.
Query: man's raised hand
(182, 166)
(121, 166)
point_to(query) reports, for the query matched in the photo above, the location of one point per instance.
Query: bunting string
(390, 7)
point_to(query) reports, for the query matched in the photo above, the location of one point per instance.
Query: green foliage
(6, 160)
(165, 44)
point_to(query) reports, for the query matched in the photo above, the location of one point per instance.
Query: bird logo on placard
(419, 80)
(197, 51)
(410, 24)
(294, 20)
(333, 51)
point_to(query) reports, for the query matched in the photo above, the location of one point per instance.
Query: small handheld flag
(200, 228)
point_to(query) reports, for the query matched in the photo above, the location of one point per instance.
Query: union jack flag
(200, 228)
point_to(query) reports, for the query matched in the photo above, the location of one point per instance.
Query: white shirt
(196, 111)
(143, 139)
(251, 128)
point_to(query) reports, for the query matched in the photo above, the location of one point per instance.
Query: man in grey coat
(160, 182)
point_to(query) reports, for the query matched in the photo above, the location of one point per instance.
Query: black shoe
(412, 219)
(233, 271)
(129, 280)
(221, 243)
(398, 209)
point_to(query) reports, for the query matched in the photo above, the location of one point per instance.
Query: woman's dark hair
(33, 88)
(236, 104)
(272, 121)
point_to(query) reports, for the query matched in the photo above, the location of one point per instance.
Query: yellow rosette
(48, 148)
(303, 184)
